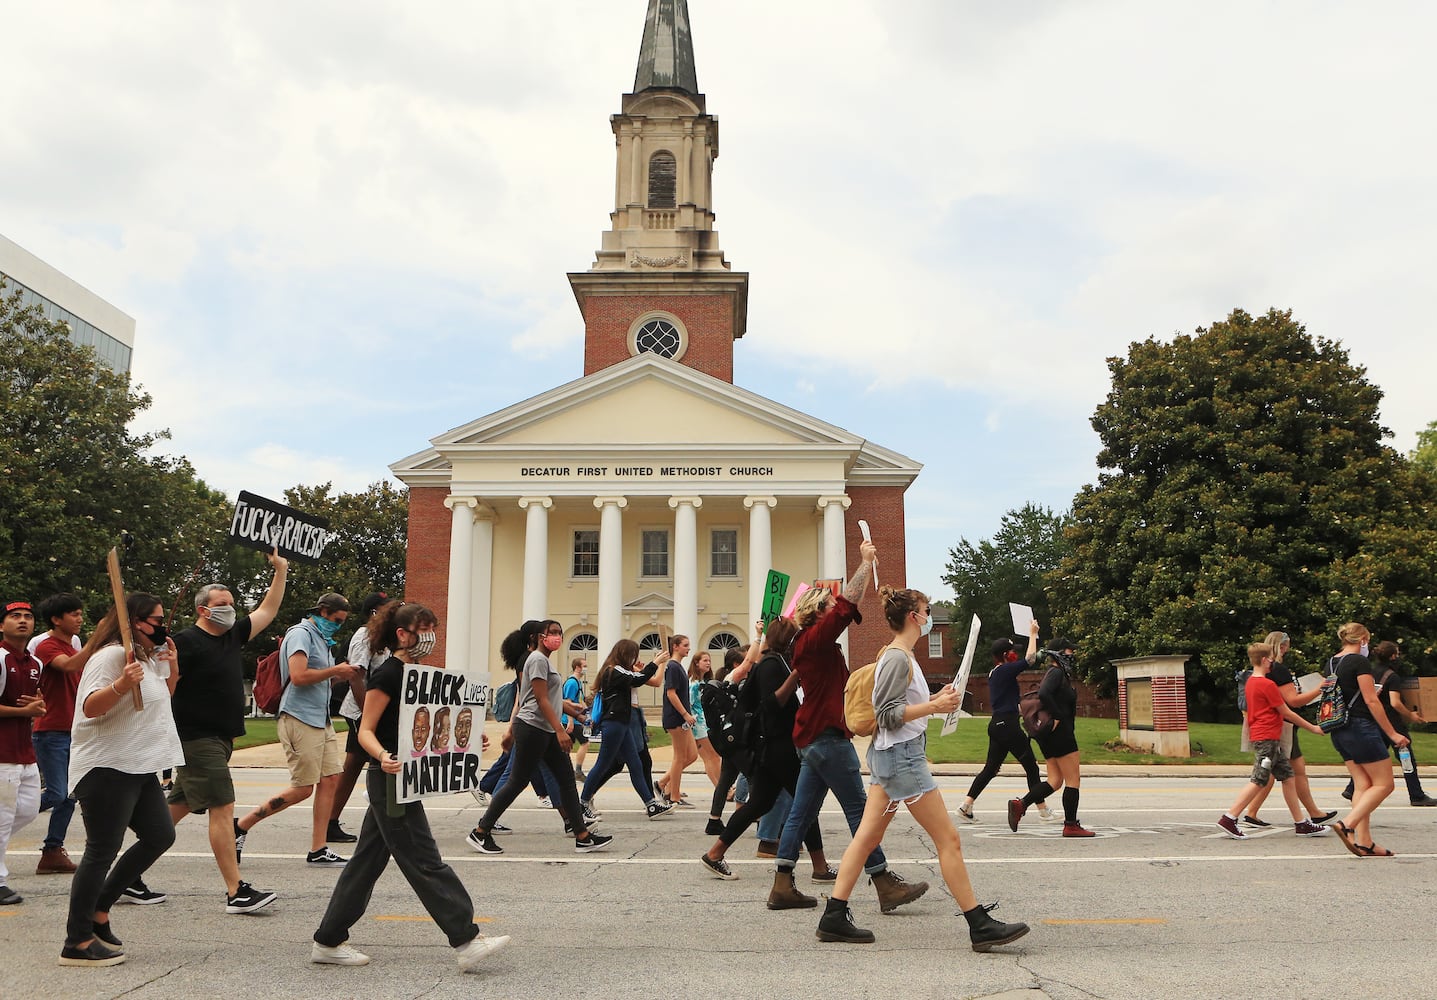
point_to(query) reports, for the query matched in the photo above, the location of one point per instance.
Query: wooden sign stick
(122, 617)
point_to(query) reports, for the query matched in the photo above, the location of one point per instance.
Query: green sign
(773, 592)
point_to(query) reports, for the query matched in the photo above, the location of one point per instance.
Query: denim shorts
(1360, 741)
(902, 770)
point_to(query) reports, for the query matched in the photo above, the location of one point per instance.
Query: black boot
(837, 925)
(985, 933)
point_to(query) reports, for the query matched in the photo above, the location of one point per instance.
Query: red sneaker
(1076, 829)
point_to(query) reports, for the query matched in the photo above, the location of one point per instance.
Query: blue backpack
(504, 700)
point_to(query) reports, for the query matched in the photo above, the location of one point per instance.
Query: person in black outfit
(1385, 657)
(773, 684)
(1059, 745)
(616, 682)
(736, 665)
(1005, 728)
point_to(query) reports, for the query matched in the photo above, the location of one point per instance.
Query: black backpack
(734, 728)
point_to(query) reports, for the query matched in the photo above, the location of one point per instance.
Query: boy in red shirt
(1266, 712)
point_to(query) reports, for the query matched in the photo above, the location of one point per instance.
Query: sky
(344, 228)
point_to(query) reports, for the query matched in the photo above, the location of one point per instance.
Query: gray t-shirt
(538, 667)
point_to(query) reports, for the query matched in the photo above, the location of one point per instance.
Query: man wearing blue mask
(311, 746)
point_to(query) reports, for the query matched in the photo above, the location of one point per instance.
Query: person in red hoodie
(825, 744)
(20, 704)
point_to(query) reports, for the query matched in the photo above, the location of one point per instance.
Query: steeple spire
(666, 55)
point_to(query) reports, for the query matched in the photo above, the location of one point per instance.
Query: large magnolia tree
(1245, 488)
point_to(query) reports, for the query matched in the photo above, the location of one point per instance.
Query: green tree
(1424, 456)
(367, 556)
(74, 479)
(1246, 488)
(1011, 567)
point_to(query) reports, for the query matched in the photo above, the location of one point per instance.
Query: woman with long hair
(616, 682)
(772, 690)
(1059, 744)
(1360, 741)
(537, 737)
(736, 666)
(701, 672)
(409, 630)
(117, 745)
(900, 774)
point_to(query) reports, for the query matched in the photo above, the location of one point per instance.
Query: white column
(686, 566)
(834, 564)
(461, 581)
(611, 571)
(482, 659)
(686, 168)
(536, 556)
(760, 551)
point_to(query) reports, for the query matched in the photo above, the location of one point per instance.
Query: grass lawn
(1212, 743)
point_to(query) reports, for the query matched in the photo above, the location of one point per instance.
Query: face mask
(222, 616)
(1362, 649)
(927, 626)
(326, 627)
(158, 634)
(424, 646)
(551, 642)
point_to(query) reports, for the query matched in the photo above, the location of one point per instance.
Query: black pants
(110, 802)
(409, 842)
(776, 771)
(533, 746)
(1006, 736)
(728, 774)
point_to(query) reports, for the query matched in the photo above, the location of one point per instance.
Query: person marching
(115, 751)
(1059, 744)
(615, 684)
(1005, 727)
(900, 774)
(409, 629)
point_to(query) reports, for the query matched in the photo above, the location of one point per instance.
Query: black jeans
(728, 774)
(408, 841)
(1006, 736)
(776, 771)
(533, 746)
(616, 763)
(110, 802)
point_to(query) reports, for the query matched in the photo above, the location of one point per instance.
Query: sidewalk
(270, 755)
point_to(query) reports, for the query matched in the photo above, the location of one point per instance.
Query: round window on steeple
(658, 333)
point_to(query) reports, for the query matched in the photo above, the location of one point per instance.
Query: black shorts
(580, 733)
(1060, 743)
(351, 738)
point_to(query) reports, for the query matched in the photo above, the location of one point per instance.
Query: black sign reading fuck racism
(263, 524)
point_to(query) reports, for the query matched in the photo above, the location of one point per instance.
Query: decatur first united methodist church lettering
(650, 491)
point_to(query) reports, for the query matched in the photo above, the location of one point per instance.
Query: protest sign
(1022, 618)
(773, 590)
(441, 728)
(263, 524)
(960, 680)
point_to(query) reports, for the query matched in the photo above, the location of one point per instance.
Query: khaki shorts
(312, 753)
(204, 781)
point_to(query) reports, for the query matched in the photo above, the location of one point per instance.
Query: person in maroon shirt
(60, 666)
(824, 742)
(20, 703)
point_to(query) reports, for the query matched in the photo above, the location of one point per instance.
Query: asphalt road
(1158, 905)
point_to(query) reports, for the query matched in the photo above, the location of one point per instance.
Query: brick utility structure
(651, 491)
(1153, 704)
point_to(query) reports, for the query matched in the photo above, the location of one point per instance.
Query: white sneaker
(1045, 814)
(471, 954)
(480, 797)
(339, 955)
(966, 815)
(545, 803)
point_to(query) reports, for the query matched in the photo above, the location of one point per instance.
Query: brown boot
(894, 890)
(54, 861)
(785, 895)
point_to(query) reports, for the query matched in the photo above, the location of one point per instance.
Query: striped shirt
(128, 741)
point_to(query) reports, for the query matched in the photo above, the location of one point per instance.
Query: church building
(652, 491)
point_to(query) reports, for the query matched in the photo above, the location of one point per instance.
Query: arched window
(722, 642)
(650, 643)
(663, 172)
(584, 642)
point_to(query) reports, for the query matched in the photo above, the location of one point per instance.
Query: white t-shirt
(132, 742)
(917, 693)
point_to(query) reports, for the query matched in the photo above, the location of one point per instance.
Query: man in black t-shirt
(209, 709)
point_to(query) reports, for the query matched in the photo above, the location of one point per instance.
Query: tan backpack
(858, 696)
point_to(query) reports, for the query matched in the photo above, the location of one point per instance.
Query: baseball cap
(331, 602)
(1061, 643)
(17, 606)
(1001, 647)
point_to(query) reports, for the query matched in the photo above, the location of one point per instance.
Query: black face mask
(158, 634)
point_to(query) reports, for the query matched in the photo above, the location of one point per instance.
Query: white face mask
(424, 646)
(1362, 649)
(222, 616)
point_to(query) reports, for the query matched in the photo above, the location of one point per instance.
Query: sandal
(1373, 851)
(1345, 835)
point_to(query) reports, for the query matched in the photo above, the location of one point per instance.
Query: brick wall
(708, 319)
(426, 566)
(1170, 704)
(882, 508)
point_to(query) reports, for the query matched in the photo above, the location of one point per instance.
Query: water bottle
(1405, 756)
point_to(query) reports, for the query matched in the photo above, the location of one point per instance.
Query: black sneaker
(593, 842)
(658, 808)
(484, 843)
(325, 858)
(338, 835)
(240, 836)
(1254, 821)
(248, 899)
(1425, 800)
(107, 934)
(836, 924)
(499, 829)
(9, 897)
(141, 894)
(94, 955)
(719, 868)
(985, 933)
(1326, 817)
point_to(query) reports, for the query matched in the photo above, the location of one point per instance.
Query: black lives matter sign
(263, 524)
